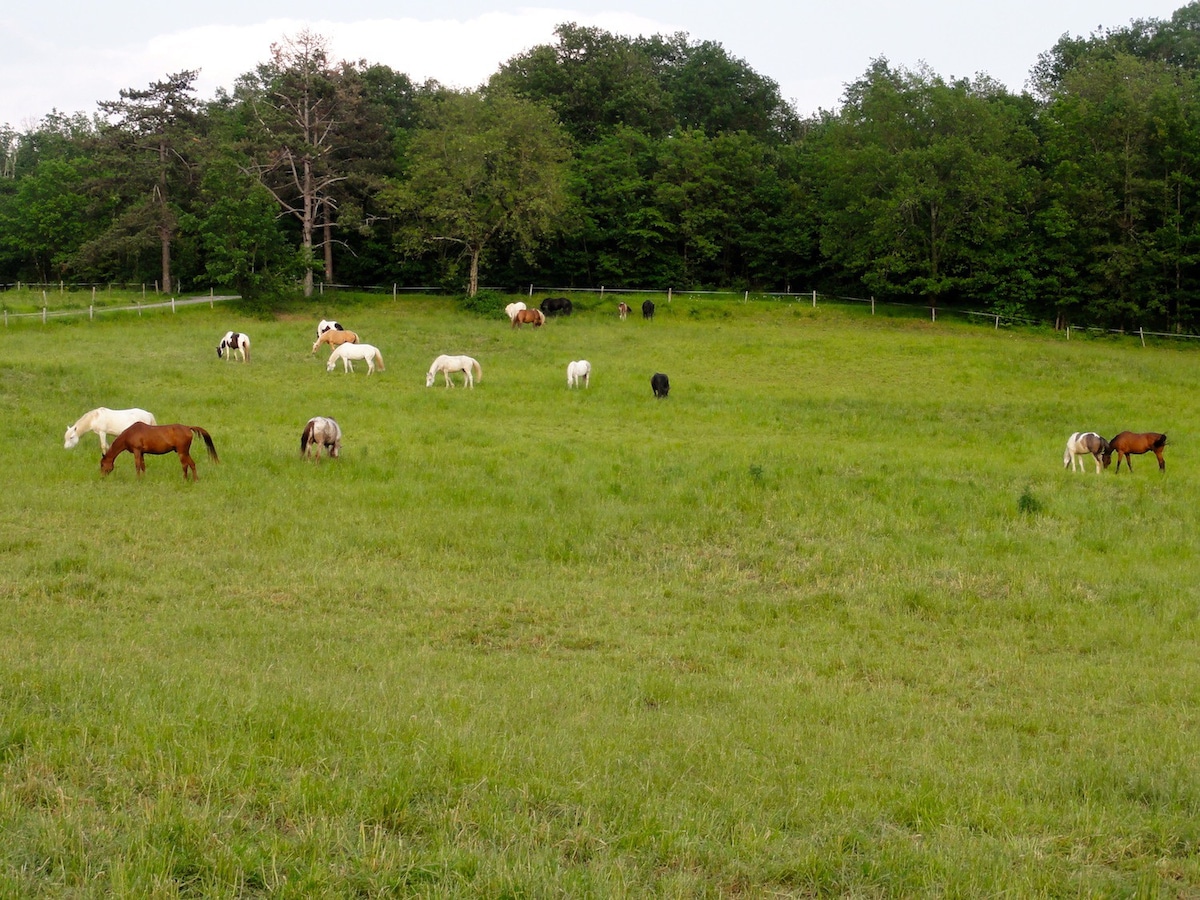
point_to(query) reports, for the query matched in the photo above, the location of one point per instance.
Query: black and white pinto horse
(1086, 443)
(234, 342)
(328, 325)
(321, 431)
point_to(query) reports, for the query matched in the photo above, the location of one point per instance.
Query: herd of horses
(138, 432)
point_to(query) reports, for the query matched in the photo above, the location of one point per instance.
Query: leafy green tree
(924, 181)
(487, 168)
(242, 244)
(43, 221)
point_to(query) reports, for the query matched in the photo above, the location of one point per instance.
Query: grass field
(830, 620)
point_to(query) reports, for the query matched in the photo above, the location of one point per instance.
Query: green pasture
(832, 620)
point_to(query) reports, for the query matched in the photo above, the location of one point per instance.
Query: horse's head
(106, 464)
(429, 376)
(220, 349)
(71, 438)
(1106, 454)
(332, 362)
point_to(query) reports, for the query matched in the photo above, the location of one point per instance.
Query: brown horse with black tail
(140, 438)
(1127, 443)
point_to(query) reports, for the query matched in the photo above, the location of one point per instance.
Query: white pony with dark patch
(513, 308)
(234, 342)
(1086, 443)
(449, 364)
(348, 352)
(104, 421)
(579, 370)
(328, 325)
(321, 431)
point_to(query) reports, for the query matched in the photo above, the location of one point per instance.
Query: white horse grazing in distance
(105, 421)
(580, 369)
(447, 364)
(347, 352)
(1086, 443)
(513, 308)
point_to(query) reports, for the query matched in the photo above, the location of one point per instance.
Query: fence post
(172, 304)
(1142, 335)
(1068, 332)
(43, 315)
(997, 323)
(531, 289)
(601, 290)
(872, 304)
(93, 293)
(393, 291)
(933, 312)
(143, 290)
(746, 297)
(814, 299)
(669, 296)
(92, 313)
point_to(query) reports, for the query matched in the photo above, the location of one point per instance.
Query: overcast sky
(70, 55)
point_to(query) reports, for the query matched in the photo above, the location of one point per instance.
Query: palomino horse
(447, 364)
(328, 325)
(347, 352)
(534, 317)
(105, 421)
(1127, 443)
(232, 343)
(579, 370)
(513, 308)
(335, 338)
(321, 431)
(140, 438)
(623, 310)
(1086, 443)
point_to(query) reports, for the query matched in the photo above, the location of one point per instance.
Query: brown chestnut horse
(532, 317)
(140, 438)
(1127, 443)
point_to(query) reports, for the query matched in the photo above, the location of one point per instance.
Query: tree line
(659, 162)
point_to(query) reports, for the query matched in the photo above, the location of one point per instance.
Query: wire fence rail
(996, 319)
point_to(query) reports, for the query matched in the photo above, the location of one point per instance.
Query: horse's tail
(478, 370)
(1067, 452)
(246, 349)
(379, 360)
(1161, 442)
(208, 442)
(306, 438)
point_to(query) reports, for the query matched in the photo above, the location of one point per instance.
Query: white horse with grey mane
(449, 364)
(104, 422)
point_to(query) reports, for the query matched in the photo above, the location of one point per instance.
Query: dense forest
(654, 162)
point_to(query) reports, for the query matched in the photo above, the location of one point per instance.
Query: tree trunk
(328, 230)
(473, 283)
(306, 227)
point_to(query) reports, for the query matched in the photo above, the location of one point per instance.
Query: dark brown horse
(1127, 443)
(533, 317)
(140, 438)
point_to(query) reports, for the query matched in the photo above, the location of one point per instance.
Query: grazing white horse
(234, 342)
(321, 431)
(328, 325)
(347, 352)
(447, 364)
(579, 369)
(513, 308)
(1086, 443)
(105, 421)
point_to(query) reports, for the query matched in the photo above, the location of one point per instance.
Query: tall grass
(832, 619)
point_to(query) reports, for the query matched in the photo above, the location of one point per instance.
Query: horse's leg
(1162, 465)
(185, 460)
(139, 464)
(103, 442)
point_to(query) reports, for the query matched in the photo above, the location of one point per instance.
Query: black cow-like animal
(661, 385)
(648, 310)
(555, 306)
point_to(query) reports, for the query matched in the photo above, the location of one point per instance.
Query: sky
(72, 54)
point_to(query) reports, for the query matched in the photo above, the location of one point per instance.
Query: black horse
(660, 384)
(648, 310)
(556, 306)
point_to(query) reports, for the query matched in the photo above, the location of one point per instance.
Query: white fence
(47, 314)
